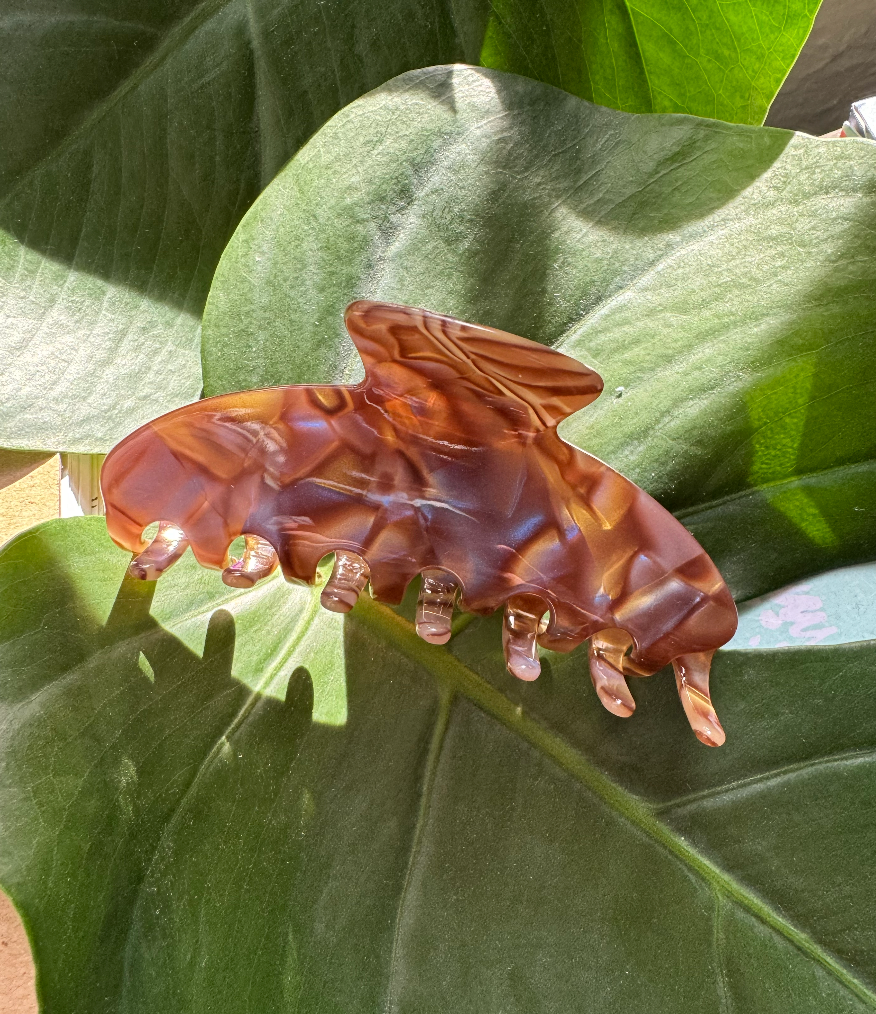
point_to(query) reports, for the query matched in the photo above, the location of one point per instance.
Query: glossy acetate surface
(444, 461)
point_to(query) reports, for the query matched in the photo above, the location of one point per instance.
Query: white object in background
(862, 119)
(80, 485)
(832, 608)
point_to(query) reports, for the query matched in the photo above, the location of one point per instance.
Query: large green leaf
(705, 57)
(137, 134)
(179, 841)
(121, 195)
(721, 278)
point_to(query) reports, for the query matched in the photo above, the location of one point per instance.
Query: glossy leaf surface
(137, 134)
(178, 840)
(654, 56)
(720, 279)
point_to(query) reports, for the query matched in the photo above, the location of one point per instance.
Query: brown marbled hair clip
(444, 462)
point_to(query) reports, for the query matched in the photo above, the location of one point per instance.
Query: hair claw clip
(444, 462)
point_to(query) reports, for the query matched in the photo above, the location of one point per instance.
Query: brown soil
(17, 988)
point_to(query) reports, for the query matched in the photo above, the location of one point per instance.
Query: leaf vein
(456, 676)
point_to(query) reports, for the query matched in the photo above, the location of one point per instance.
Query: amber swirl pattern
(445, 461)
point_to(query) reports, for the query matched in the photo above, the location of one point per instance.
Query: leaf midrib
(455, 676)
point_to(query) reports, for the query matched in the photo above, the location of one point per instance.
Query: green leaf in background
(178, 841)
(123, 191)
(137, 134)
(705, 57)
(721, 278)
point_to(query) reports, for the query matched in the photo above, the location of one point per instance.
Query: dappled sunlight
(154, 793)
(778, 411)
(279, 627)
(798, 506)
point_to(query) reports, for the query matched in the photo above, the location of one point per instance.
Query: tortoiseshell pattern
(444, 460)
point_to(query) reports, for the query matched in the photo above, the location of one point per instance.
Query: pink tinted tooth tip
(522, 619)
(435, 606)
(258, 561)
(606, 657)
(692, 680)
(162, 552)
(349, 576)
